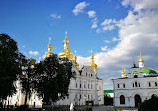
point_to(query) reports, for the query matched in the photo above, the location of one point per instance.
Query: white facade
(18, 98)
(139, 85)
(85, 88)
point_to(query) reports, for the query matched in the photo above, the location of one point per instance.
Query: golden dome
(31, 58)
(92, 64)
(66, 52)
(140, 59)
(123, 72)
(49, 46)
(49, 53)
(32, 66)
(75, 62)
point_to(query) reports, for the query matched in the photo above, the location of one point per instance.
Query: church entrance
(138, 100)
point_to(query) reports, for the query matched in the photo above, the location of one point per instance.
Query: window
(80, 85)
(86, 73)
(118, 85)
(84, 86)
(122, 99)
(91, 86)
(88, 86)
(139, 84)
(88, 96)
(80, 96)
(91, 75)
(68, 97)
(149, 84)
(76, 84)
(75, 96)
(135, 84)
(135, 76)
(123, 85)
(92, 97)
(155, 83)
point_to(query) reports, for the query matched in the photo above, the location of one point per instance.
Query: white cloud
(141, 4)
(107, 41)
(35, 53)
(108, 27)
(94, 23)
(105, 48)
(108, 21)
(91, 14)
(137, 32)
(115, 39)
(55, 16)
(79, 8)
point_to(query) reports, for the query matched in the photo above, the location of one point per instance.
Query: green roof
(135, 72)
(108, 91)
(146, 70)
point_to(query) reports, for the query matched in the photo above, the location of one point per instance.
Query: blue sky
(30, 24)
(116, 30)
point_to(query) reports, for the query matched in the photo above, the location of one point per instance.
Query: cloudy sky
(116, 30)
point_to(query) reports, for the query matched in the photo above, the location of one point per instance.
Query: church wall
(131, 89)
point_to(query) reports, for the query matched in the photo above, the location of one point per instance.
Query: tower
(75, 62)
(92, 64)
(141, 62)
(49, 53)
(66, 52)
(123, 72)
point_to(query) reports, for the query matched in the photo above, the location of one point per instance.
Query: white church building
(135, 87)
(85, 88)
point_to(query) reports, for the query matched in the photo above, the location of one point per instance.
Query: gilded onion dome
(49, 53)
(92, 64)
(134, 63)
(140, 59)
(125, 75)
(75, 62)
(31, 62)
(66, 52)
(122, 71)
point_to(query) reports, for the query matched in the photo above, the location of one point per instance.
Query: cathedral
(85, 88)
(135, 87)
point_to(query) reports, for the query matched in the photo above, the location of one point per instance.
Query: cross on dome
(49, 39)
(66, 34)
(91, 52)
(75, 52)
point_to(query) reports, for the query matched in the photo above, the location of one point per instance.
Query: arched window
(80, 86)
(139, 84)
(123, 85)
(122, 99)
(91, 75)
(76, 84)
(149, 84)
(80, 96)
(118, 85)
(136, 84)
(155, 83)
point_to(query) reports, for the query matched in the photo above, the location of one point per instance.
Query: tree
(27, 79)
(149, 105)
(107, 99)
(52, 78)
(11, 63)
